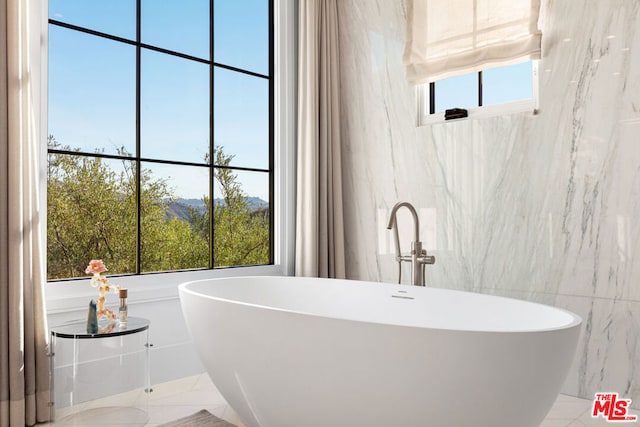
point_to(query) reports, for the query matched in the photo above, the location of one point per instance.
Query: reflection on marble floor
(168, 402)
(176, 399)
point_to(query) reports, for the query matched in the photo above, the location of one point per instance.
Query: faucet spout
(416, 221)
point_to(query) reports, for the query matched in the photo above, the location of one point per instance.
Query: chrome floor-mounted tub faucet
(418, 258)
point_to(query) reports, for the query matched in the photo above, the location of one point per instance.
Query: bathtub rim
(576, 320)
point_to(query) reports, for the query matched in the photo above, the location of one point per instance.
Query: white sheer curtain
(24, 365)
(319, 216)
(453, 37)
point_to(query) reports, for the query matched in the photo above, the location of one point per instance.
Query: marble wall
(540, 207)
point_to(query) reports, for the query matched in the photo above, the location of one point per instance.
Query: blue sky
(499, 85)
(92, 85)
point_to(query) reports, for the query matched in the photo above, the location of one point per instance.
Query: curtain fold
(24, 364)
(319, 211)
(454, 37)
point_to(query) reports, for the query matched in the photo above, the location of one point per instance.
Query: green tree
(92, 213)
(241, 237)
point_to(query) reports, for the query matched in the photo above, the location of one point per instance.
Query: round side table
(101, 378)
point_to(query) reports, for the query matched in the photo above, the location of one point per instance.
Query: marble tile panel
(542, 206)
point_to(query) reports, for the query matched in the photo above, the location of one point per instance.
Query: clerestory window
(161, 140)
(499, 90)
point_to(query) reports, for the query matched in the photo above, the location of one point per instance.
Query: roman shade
(453, 37)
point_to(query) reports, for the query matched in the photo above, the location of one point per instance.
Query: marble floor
(175, 399)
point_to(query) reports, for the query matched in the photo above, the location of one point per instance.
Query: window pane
(92, 84)
(174, 119)
(241, 34)
(181, 26)
(241, 218)
(507, 84)
(117, 18)
(97, 224)
(241, 118)
(174, 217)
(457, 92)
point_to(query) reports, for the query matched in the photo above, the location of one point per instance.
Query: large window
(160, 135)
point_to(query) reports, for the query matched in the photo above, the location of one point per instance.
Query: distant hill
(256, 203)
(179, 210)
(180, 207)
(196, 203)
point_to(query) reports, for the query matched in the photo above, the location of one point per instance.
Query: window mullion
(138, 162)
(480, 88)
(211, 135)
(432, 98)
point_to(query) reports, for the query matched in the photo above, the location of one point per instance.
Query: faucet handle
(426, 259)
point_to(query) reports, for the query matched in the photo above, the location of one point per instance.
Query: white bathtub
(299, 352)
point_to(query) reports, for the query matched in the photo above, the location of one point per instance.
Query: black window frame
(211, 166)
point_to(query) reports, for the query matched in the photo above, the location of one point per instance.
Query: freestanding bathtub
(301, 352)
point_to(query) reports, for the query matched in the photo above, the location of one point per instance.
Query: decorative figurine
(92, 319)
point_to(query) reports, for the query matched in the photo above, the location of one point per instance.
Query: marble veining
(541, 207)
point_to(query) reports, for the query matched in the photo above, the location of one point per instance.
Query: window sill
(517, 107)
(71, 295)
